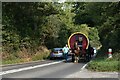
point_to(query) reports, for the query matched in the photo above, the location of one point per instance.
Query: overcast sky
(61, 1)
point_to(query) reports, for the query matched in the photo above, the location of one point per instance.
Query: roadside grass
(103, 64)
(40, 56)
(14, 61)
(23, 56)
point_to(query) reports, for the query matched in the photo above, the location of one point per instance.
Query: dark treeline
(105, 17)
(29, 28)
(36, 24)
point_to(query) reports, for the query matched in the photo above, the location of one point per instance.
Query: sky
(61, 1)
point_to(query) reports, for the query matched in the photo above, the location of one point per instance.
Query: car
(56, 53)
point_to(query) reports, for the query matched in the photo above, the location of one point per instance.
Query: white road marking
(73, 75)
(84, 66)
(28, 68)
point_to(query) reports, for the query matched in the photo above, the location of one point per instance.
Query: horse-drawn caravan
(78, 43)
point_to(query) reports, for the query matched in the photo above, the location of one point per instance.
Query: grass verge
(14, 61)
(23, 56)
(104, 64)
(40, 56)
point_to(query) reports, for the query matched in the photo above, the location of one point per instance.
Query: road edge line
(84, 66)
(28, 68)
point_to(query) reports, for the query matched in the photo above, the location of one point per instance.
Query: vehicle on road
(79, 44)
(56, 53)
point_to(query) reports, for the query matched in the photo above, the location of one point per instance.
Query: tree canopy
(34, 24)
(104, 17)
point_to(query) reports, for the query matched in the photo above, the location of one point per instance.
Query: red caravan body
(74, 37)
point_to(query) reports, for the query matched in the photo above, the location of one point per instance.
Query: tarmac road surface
(54, 70)
(50, 69)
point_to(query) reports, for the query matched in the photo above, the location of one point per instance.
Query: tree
(103, 16)
(22, 24)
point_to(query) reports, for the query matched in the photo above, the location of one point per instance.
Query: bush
(25, 55)
(12, 61)
(40, 56)
(103, 64)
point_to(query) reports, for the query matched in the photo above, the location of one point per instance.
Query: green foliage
(27, 26)
(103, 65)
(11, 41)
(94, 37)
(22, 24)
(25, 56)
(24, 28)
(51, 31)
(104, 17)
(13, 61)
(110, 27)
(82, 28)
(92, 34)
(40, 56)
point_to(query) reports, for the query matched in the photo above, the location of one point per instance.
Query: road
(59, 69)
(53, 70)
